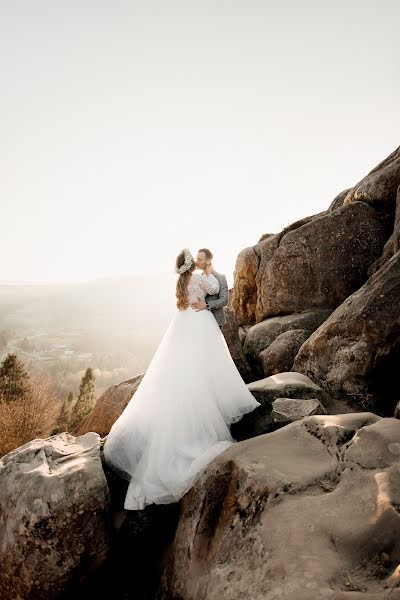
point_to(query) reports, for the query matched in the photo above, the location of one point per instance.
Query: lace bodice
(201, 285)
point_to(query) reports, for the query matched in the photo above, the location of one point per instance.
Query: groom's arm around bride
(216, 302)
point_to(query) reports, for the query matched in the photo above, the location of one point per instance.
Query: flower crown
(187, 264)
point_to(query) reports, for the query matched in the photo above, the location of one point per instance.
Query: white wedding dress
(178, 420)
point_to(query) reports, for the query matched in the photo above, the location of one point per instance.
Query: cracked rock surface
(286, 410)
(54, 501)
(310, 511)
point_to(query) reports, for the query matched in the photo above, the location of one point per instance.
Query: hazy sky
(132, 129)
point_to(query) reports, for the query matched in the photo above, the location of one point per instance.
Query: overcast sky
(132, 129)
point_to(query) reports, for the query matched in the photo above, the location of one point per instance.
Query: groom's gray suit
(216, 302)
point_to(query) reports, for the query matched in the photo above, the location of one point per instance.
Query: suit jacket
(217, 302)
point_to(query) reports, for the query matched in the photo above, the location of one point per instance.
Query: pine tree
(65, 415)
(14, 380)
(86, 399)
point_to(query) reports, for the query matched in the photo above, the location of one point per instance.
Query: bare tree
(32, 415)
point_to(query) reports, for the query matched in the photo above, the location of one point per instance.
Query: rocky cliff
(322, 296)
(306, 506)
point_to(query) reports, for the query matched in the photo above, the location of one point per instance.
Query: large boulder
(280, 355)
(261, 335)
(320, 263)
(356, 351)
(287, 385)
(109, 406)
(308, 512)
(54, 501)
(320, 260)
(250, 263)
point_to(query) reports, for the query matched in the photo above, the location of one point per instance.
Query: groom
(212, 302)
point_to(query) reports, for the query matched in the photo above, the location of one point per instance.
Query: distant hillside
(146, 302)
(112, 325)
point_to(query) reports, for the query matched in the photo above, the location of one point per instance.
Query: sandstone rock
(264, 236)
(54, 500)
(356, 351)
(287, 410)
(337, 202)
(244, 293)
(265, 250)
(393, 243)
(320, 263)
(109, 406)
(260, 336)
(280, 354)
(378, 188)
(250, 262)
(231, 333)
(308, 512)
(299, 223)
(289, 385)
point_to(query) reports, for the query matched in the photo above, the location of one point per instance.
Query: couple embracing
(178, 420)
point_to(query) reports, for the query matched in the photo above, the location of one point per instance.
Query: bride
(178, 420)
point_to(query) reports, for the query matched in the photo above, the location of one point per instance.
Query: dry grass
(33, 416)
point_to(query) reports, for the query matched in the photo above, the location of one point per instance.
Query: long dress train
(178, 420)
